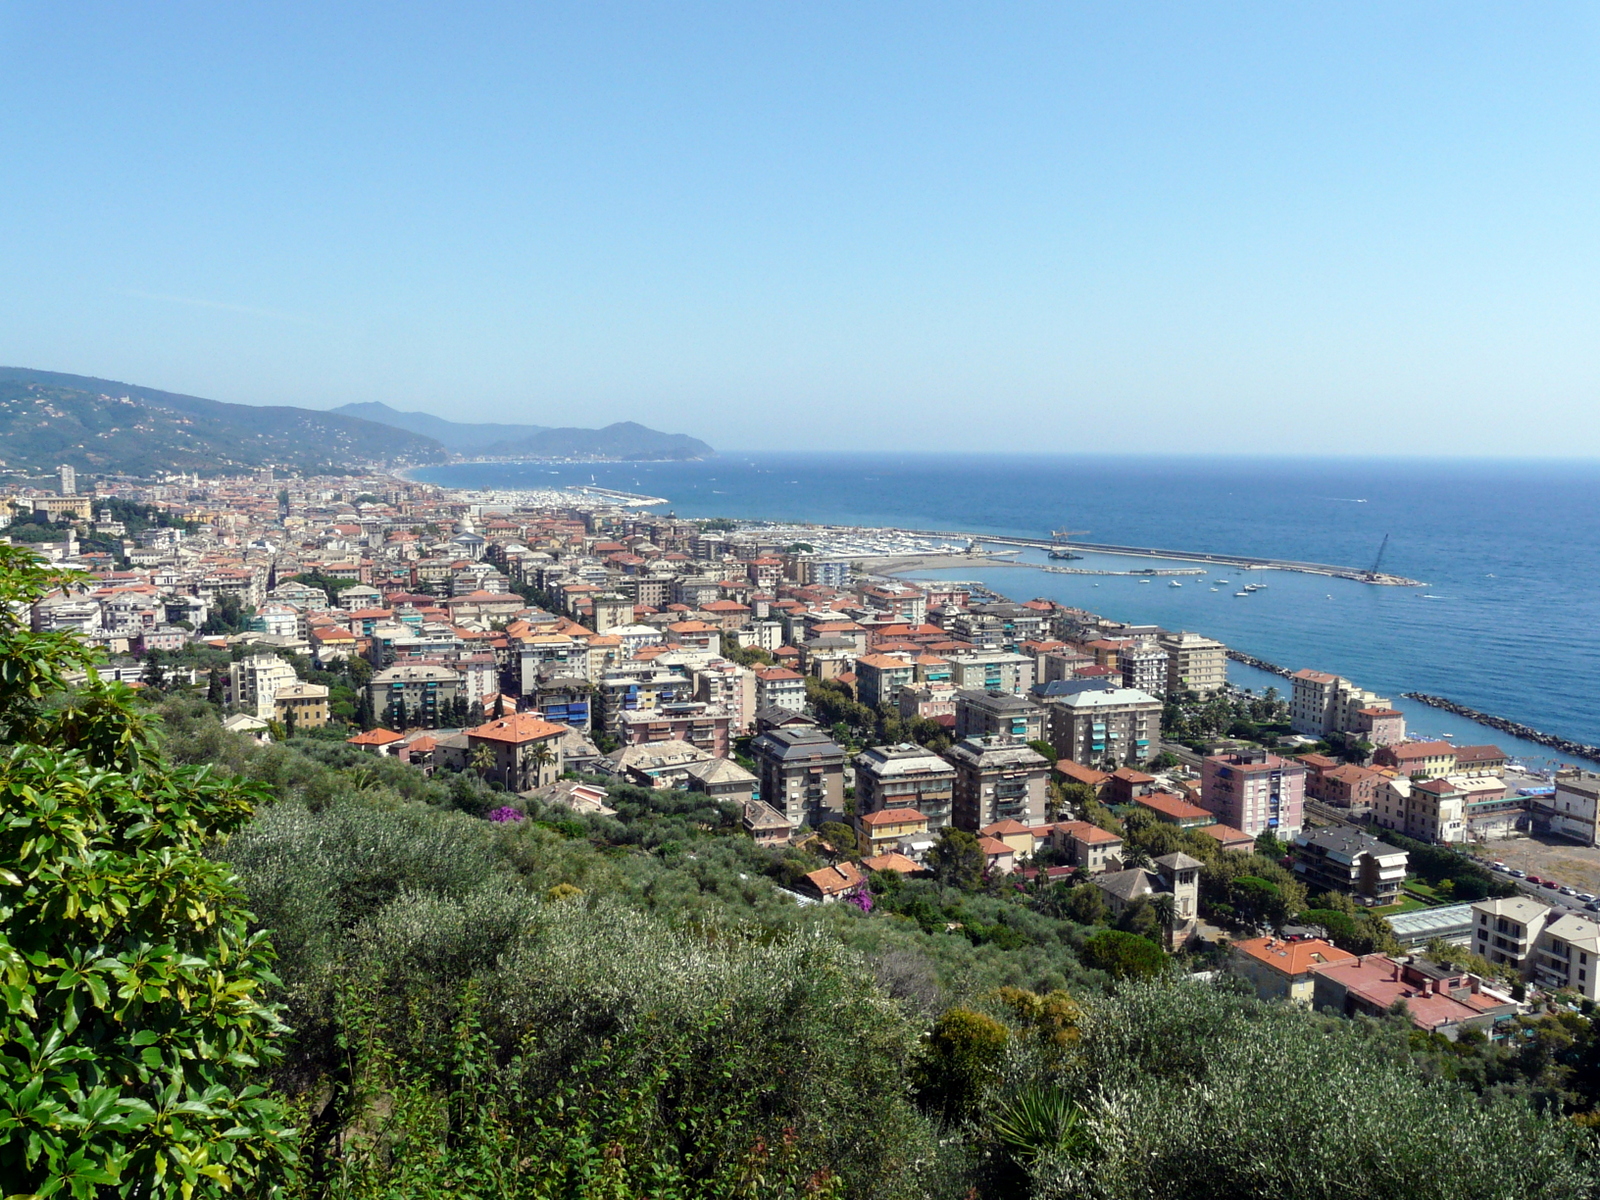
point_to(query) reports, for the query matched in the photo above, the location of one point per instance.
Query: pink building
(1380, 726)
(1254, 791)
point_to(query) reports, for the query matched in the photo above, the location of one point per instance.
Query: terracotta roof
(516, 729)
(1079, 773)
(1089, 834)
(376, 737)
(834, 881)
(1293, 958)
(892, 861)
(1174, 808)
(893, 816)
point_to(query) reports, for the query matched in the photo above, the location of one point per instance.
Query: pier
(1243, 562)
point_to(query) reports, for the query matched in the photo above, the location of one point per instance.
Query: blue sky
(1214, 227)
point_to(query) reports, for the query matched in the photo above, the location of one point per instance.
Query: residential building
(416, 691)
(998, 778)
(765, 824)
(693, 721)
(834, 883)
(1556, 949)
(722, 779)
(253, 683)
(779, 687)
(1254, 791)
(984, 714)
(801, 773)
(1090, 847)
(1281, 970)
(881, 831)
(1144, 668)
(1437, 999)
(523, 751)
(302, 705)
(1176, 874)
(906, 776)
(1420, 760)
(1323, 705)
(1339, 859)
(655, 764)
(879, 678)
(1506, 930)
(1194, 663)
(1107, 726)
(1175, 810)
(1430, 810)
(1480, 760)
(1343, 785)
(991, 671)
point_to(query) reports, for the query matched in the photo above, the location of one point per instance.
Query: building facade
(1254, 791)
(998, 779)
(905, 776)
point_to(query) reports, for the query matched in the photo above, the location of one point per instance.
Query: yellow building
(307, 701)
(882, 830)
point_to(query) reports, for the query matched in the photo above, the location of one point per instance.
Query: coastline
(896, 565)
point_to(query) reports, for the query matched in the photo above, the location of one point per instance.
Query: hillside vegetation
(99, 425)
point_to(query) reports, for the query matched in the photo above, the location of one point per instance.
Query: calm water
(1509, 622)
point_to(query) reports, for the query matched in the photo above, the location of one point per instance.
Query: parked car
(1587, 896)
(1517, 873)
(1535, 879)
(1567, 891)
(1499, 866)
(1593, 906)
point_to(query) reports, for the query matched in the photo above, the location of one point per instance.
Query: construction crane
(1378, 562)
(1062, 536)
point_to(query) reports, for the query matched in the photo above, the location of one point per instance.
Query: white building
(253, 683)
(1553, 949)
(1571, 811)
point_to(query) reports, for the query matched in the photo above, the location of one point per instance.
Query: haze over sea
(1509, 622)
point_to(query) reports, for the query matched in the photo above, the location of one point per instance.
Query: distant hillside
(453, 435)
(625, 439)
(48, 418)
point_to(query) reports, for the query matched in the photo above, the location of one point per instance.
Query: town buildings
(1097, 725)
(997, 713)
(1281, 970)
(1194, 663)
(1323, 705)
(1556, 949)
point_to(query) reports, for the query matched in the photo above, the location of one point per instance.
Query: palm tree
(1166, 911)
(541, 757)
(1134, 855)
(482, 759)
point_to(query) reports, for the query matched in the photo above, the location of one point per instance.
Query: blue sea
(1508, 622)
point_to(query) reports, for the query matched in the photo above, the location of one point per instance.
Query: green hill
(100, 425)
(454, 435)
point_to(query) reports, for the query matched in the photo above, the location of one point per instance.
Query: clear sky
(1220, 227)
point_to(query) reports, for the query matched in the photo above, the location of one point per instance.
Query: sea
(1506, 621)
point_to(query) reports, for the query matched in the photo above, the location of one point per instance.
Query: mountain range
(102, 425)
(624, 439)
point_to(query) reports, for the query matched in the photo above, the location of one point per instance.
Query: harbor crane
(1378, 562)
(1062, 536)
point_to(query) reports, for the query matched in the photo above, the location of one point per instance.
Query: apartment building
(905, 776)
(701, 725)
(779, 687)
(1194, 663)
(1420, 760)
(1254, 791)
(1100, 725)
(253, 684)
(998, 779)
(1430, 810)
(302, 705)
(981, 714)
(1337, 859)
(991, 671)
(879, 678)
(1144, 668)
(423, 689)
(801, 771)
(1323, 705)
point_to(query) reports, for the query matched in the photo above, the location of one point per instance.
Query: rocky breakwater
(1515, 728)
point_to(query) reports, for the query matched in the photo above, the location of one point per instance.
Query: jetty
(1515, 728)
(1243, 562)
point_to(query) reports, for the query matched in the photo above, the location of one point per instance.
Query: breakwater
(1515, 728)
(1260, 664)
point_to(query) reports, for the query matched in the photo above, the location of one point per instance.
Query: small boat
(1144, 581)
(1241, 593)
(1174, 583)
(1213, 589)
(1222, 581)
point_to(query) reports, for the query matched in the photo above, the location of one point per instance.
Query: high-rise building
(69, 480)
(1194, 663)
(1254, 791)
(1321, 704)
(998, 779)
(905, 776)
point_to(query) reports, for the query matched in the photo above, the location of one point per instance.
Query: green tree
(957, 859)
(1124, 955)
(1165, 909)
(133, 1012)
(959, 1064)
